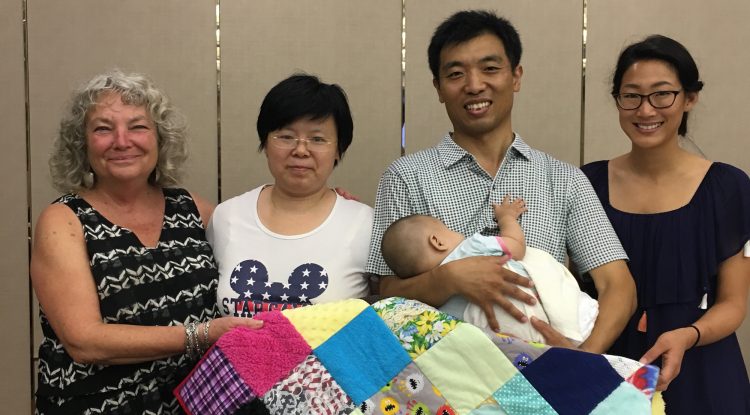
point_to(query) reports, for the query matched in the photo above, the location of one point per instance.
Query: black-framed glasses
(288, 142)
(658, 99)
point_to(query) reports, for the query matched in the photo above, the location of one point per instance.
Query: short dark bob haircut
(468, 24)
(658, 47)
(304, 96)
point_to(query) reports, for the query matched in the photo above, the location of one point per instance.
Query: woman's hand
(671, 346)
(221, 325)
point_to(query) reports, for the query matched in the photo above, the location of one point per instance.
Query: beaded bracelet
(699, 336)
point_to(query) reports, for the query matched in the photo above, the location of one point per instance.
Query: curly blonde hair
(69, 164)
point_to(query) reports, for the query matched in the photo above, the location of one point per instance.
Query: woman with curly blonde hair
(125, 279)
(69, 164)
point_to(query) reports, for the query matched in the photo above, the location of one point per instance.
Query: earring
(154, 176)
(89, 179)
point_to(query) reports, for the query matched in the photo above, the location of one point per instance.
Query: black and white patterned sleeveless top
(171, 284)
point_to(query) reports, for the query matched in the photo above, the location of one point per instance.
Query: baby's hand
(512, 209)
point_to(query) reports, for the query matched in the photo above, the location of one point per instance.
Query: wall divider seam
(403, 77)
(584, 33)
(218, 101)
(27, 115)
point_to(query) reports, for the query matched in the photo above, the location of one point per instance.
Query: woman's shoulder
(594, 168)
(727, 184)
(723, 202)
(240, 201)
(354, 206)
(55, 217)
(597, 172)
(726, 171)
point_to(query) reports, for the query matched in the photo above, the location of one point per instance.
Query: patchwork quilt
(401, 356)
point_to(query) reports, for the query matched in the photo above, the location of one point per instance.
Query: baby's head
(417, 243)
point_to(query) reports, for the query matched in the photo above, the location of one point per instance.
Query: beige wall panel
(15, 356)
(355, 44)
(547, 109)
(716, 36)
(172, 41)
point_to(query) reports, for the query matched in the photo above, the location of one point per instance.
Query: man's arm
(594, 248)
(481, 279)
(617, 303)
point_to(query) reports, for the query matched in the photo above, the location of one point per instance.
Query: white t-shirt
(260, 270)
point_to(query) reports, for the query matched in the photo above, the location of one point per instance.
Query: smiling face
(299, 171)
(647, 126)
(476, 85)
(121, 141)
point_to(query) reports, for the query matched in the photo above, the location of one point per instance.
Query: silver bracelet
(196, 343)
(190, 329)
(206, 344)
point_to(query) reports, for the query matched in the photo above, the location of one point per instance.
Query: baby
(417, 243)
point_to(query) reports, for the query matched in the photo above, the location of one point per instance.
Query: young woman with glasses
(683, 221)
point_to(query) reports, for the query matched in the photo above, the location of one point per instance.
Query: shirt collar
(450, 152)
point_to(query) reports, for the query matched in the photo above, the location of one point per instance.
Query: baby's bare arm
(506, 214)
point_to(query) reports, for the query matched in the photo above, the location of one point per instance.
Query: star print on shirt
(306, 282)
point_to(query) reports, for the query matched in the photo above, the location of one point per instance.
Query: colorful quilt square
(573, 382)
(518, 397)
(644, 379)
(410, 392)
(623, 401)
(518, 351)
(264, 356)
(397, 312)
(363, 356)
(426, 329)
(213, 388)
(317, 323)
(466, 367)
(309, 389)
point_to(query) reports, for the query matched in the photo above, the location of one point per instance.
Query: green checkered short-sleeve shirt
(564, 215)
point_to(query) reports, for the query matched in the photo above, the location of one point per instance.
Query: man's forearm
(424, 287)
(617, 302)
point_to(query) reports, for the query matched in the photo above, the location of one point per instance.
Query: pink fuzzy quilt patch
(264, 356)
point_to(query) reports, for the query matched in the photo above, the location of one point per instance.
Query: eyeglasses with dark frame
(657, 99)
(316, 143)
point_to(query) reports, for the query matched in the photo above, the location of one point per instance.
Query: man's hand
(345, 194)
(484, 282)
(551, 336)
